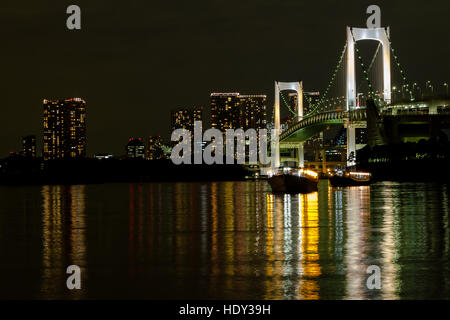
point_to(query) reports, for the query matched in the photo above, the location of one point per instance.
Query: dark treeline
(17, 170)
(422, 161)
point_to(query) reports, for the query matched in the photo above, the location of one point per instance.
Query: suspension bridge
(343, 102)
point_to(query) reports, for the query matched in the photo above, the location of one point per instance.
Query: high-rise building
(184, 118)
(253, 115)
(253, 111)
(225, 111)
(29, 146)
(233, 110)
(197, 113)
(180, 119)
(64, 128)
(135, 148)
(154, 150)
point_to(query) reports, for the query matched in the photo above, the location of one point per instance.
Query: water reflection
(235, 237)
(309, 253)
(251, 243)
(357, 205)
(63, 238)
(233, 240)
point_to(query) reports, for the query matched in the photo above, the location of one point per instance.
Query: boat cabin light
(286, 170)
(365, 174)
(308, 172)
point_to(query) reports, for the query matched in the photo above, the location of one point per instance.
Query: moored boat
(350, 178)
(288, 180)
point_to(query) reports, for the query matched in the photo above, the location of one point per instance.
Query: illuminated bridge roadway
(300, 131)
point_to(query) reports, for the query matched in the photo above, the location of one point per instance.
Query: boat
(290, 180)
(350, 178)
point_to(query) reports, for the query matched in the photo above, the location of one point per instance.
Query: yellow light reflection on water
(62, 244)
(214, 255)
(229, 212)
(269, 245)
(310, 266)
(292, 247)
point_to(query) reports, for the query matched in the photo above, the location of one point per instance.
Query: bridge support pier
(275, 146)
(351, 144)
(324, 160)
(301, 155)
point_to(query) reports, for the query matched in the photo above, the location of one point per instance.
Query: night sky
(135, 60)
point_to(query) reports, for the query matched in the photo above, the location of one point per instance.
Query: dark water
(230, 240)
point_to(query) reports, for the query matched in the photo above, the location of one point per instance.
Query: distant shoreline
(402, 162)
(35, 171)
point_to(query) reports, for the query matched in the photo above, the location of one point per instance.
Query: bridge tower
(280, 86)
(353, 35)
(358, 34)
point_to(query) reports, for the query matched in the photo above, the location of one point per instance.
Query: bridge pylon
(351, 143)
(378, 34)
(280, 86)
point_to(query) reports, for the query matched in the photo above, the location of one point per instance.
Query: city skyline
(64, 125)
(248, 104)
(127, 82)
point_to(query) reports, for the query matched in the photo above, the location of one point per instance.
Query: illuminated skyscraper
(253, 111)
(135, 148)
(180, 119)
(197, 113)
(29, 146)
(233, 110)
(64, 128)
(184, 118)
(225, 111)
